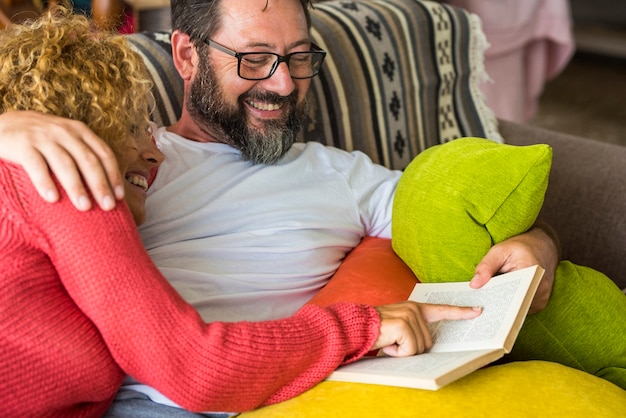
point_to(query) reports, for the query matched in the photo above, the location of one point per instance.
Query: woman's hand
(80, 160)
(403, 330)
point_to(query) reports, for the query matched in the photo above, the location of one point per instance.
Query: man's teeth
(264, 106)
(139, 181)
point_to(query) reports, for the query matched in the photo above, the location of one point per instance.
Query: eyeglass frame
(279, 59)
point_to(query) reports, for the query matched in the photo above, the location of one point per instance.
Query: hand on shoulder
(45, 144)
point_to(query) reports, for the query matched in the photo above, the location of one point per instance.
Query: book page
(423, 371)
(501, 299)
(460, 347)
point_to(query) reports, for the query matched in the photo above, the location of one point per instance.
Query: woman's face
(140, 156)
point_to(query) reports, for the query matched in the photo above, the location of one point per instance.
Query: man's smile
(264, 105)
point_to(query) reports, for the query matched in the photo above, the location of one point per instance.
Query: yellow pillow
(519, 389)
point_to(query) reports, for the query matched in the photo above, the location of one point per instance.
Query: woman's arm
(161, 340)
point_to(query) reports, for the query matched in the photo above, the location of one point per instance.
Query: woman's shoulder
(13, 181)
(20, 196)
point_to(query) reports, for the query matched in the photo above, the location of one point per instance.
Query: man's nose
(280, 82)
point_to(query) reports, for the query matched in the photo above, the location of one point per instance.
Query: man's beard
(229, 124)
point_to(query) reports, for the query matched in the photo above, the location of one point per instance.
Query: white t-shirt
(243, 241)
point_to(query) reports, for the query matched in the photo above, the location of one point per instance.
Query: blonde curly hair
(59, 65)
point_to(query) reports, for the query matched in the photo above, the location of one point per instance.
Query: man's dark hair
(201, 19)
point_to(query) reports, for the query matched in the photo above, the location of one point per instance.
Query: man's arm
(540, 245)
(81, 161)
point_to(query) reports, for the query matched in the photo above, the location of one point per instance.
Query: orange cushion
(371, 274)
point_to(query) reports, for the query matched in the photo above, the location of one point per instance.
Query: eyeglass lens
(257, 66)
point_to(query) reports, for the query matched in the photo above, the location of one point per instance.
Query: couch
(402, 76)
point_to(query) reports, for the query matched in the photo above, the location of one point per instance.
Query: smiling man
(248, 87)
(242, 220)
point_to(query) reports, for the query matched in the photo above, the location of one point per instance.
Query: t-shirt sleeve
(373, 186)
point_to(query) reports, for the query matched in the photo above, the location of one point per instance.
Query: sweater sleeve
(159, 339)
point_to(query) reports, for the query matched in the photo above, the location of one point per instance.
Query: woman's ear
(184, 55)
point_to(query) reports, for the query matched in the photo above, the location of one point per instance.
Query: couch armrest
(586, 197)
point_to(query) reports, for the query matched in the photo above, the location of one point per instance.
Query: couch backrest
(400, 76)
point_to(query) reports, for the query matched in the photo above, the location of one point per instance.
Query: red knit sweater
(81, 305)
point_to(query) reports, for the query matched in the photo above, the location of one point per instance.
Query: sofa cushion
(456, 200)
(371, 274)
(519, 389)
(400, 76)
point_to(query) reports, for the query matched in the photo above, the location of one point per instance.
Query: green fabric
(583, 326)
(454, 201)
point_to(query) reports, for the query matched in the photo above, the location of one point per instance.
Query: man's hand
(533, 247)
(44, 143)
(403, 330)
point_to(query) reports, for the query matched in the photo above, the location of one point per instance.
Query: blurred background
(556, 64)
(589, 97)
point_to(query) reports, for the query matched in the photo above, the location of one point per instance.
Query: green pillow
(583, 326)
(456, 200)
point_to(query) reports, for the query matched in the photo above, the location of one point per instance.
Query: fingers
(434, 313)
(64, 166)
(81, 162)
(37, 169)
(542, 295)
(110, 180)
(533, 247)
(492, 263)
(404, 330)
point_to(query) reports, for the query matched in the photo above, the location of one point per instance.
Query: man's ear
(184, 55)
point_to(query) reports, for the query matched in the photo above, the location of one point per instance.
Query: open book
(459, 347)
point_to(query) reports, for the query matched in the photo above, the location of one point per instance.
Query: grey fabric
(156, 51)
(586, 197)
(132, 404)
(399, 77)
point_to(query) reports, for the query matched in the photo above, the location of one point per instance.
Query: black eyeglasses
(262, 65)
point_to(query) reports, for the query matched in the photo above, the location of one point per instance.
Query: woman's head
(140, 155)
(59, 65)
